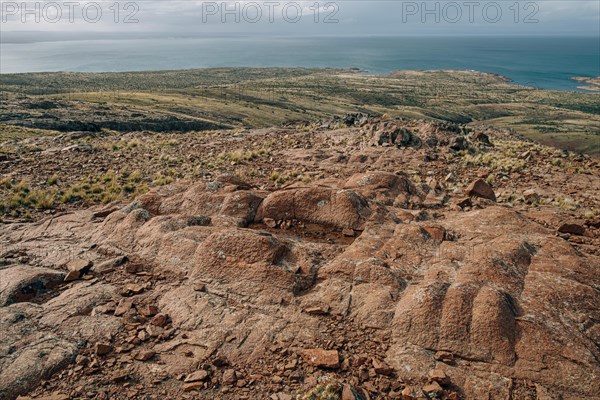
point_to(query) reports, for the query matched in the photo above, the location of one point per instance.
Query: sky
(337, 18)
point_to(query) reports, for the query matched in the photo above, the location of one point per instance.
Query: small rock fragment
(433, 388)
(144, 355)
(120, 376)
(438, 375)
(72, 276)
(109, 265)
(159, 320)
(444, 356)
(81, 360)
(382, 368)
(155, 331)
(437, 233)
(142, 335)
(134, 288)
(317, 310)
(102, 348)
(200, 287)
(480, 188)
(459, 143)
(481, 138)
(270, 222)
(348, 393)
(281, 396)
(321, 357)
(79, 265)
(291, 365)
(148, 310)
(572, 228)
(220, 362)
(55, 396)
(123, 306)
(370, 387)
(434, 185)
(197, 376)
(229, 377)
(465, 202)
(451, 177)
(188, 387)
(133, 268)
(525, 155)
(348, 232)
(410, 393)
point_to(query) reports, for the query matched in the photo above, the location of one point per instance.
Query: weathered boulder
(330, 207)
(24, 369)
(459, 143)
(481, 137)
(23, 282)
(384, 187)
(254, 261)
(531, 196)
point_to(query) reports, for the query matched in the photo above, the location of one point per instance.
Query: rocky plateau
(397, 271)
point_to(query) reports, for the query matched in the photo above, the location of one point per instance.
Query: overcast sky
(357, 18)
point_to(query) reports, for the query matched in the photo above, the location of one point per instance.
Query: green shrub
(53, 180)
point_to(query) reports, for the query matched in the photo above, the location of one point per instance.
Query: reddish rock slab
(481, 188)
(574, 229)
(102, 348)
(321, 358)
(197, 376)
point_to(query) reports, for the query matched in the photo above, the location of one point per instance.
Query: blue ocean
(543, 62)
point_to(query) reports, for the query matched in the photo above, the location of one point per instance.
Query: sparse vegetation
(590, 214)
(170, 142)
(237, 156)
(56, 193)
(161, 180)
(503, 159)
(565, 203)
(323, 391)
(282, 178)
(53, 180)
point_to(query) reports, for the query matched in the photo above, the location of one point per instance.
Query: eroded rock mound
(335, 208)
(252, 261)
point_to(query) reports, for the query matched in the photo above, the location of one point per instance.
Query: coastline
(551, 66)
(593, 84)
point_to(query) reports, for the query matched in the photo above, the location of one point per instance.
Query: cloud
(304, 18)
